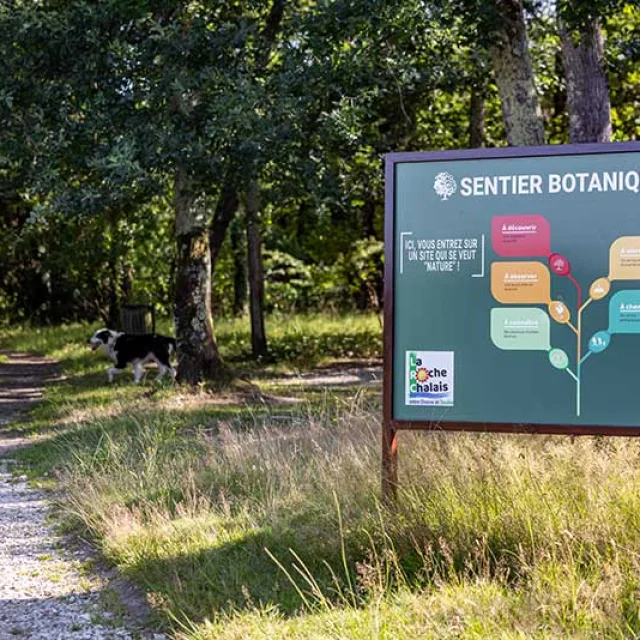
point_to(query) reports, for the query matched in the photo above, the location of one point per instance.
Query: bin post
(138, 319)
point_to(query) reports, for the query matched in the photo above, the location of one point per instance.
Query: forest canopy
(215, 158)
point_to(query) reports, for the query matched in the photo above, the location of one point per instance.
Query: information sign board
(512, 299)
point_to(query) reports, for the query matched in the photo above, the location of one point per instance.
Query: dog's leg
(138, 372)
(164, 365)
(113, 372)
(162, 369)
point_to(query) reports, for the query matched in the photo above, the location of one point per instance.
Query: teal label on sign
(624, 312)
(525, 272)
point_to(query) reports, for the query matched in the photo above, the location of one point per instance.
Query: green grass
(245, 520)
(294, 342)
(297, 344)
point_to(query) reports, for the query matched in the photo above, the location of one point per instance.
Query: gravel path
(44, 594)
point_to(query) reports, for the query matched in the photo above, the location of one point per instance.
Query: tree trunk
(560, 93)
(113, 297)
(224, 214)
(239, 270)
(256, 274)
(514, 76)
(476, 117)
(587, 86)
(198, 356)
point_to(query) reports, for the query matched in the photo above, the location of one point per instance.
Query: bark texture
(240, 285)
(256, 274)
(198, 356)
(514, 76)
(476, 118)
(222, 218)
(587, 86)
(113, 296)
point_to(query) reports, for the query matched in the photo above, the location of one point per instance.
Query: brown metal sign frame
(391, 427)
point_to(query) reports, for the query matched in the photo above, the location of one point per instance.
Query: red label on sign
(521, 236)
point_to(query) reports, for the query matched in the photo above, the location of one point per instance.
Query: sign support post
(389, 431)
(389, 465)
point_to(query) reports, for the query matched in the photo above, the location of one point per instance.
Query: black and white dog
(126, 349)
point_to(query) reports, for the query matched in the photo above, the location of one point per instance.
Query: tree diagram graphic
(518, 284)
(444, 185)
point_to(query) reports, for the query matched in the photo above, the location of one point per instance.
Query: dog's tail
(172, 345)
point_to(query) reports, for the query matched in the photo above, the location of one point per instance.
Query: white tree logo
(445, 185)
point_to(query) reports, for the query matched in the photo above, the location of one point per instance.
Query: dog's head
(102, 338)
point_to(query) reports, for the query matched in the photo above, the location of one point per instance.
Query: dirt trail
(44, 594)
(22, 381)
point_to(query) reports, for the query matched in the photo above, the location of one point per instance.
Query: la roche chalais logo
(445, 185)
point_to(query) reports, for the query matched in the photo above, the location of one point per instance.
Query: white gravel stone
(42, 593)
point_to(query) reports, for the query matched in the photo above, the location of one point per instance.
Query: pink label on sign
(521, 236)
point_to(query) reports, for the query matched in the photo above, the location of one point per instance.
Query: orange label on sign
(520, 282)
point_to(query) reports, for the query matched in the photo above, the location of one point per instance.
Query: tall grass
(261, 529)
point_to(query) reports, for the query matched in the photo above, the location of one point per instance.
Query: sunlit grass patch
(301, 341)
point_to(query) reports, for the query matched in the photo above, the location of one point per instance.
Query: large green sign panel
(515, 287)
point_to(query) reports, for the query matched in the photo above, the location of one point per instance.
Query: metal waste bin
(138, 319)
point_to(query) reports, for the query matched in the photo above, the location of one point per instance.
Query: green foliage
(125, 257)
(289, 286)
(363, 271)
(623, 57)
(354, 279)
(577, 13)
(101, 103)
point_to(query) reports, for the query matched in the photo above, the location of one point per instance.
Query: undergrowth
(263, 521)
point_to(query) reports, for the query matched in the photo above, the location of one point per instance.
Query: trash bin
(138, 319)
